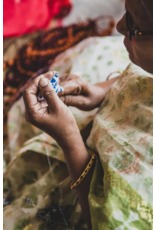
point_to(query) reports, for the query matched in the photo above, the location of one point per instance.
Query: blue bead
(52, 80)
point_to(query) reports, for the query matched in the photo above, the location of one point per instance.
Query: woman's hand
(52, 116)
(81, 94)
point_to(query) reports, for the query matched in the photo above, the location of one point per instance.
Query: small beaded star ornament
(54, 81)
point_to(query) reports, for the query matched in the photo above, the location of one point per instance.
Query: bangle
(113, 73)
(80, 179)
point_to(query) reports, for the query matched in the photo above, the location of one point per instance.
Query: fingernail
(51, 72)
(43, 82)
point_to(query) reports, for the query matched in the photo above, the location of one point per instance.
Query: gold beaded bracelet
(83, 175)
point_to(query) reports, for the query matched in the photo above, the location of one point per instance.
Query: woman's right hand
(82, 94)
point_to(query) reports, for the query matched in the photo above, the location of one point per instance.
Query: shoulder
(134, 85)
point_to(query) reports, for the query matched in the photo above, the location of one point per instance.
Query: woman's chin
(132, 58)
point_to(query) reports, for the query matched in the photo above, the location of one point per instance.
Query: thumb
(48, 93)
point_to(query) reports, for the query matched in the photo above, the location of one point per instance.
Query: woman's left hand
(52, 116)
(82, 94)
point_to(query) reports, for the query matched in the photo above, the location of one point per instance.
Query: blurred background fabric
(84, 9)
(20, 17)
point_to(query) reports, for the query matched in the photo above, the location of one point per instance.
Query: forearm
(103, 87)
(77, 159)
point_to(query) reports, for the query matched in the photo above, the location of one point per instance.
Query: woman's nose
(121, 26)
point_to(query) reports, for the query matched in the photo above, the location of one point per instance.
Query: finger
(43, 104)
(29, 94)
(65, 80)
(66, 77)
(49, 94)
(49, 75)
(77, 101)
(70, 87)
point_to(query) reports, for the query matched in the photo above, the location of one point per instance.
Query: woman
(106, 209)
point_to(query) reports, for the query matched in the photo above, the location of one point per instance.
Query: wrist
(70, 137)
(71, 142)
(103, 87)
(99, 94)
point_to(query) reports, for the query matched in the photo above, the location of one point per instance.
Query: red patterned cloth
(20, 17)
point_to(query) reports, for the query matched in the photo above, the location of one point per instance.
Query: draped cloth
(120, 194)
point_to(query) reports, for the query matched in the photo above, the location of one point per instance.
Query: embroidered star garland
(54, 82)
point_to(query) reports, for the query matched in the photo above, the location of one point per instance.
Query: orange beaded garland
(35, 57)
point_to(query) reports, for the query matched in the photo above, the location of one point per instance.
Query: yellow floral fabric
(122, 136)
(121, 189)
